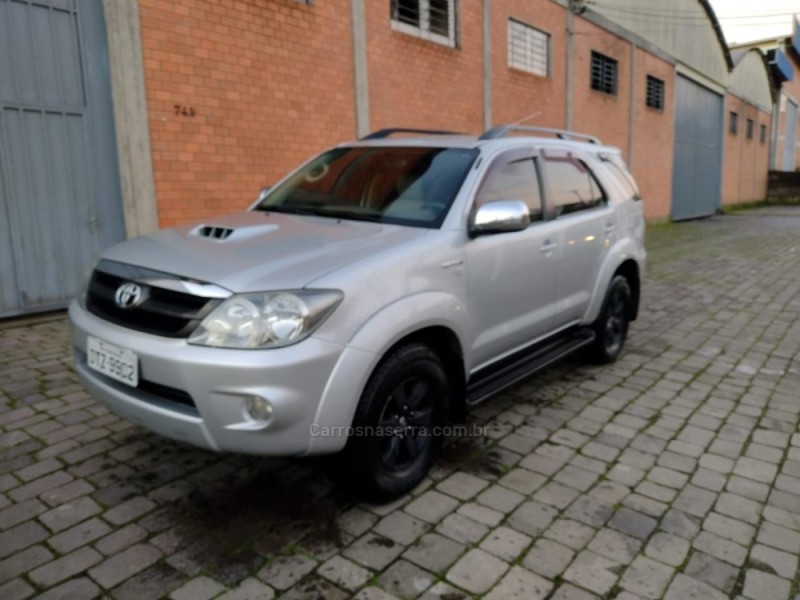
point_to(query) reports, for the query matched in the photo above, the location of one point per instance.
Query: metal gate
(697, 164)
(790, 136)
(60, 198)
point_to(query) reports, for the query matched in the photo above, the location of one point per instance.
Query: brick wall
(654, 134)
(744, 172)
(270, 84)
(420, 83)
(517, 94)
(596, 112)
(262, 85)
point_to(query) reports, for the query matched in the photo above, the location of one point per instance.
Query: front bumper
(312, 383)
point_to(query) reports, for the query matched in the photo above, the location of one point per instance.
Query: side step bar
(495, 378)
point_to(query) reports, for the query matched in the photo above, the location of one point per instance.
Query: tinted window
(622, 174)
(401, 185)
(516, 180)
(571, 184)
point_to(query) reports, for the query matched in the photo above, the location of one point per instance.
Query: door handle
(547, 248)
(610, 229)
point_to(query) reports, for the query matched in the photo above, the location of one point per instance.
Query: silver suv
(372, 296)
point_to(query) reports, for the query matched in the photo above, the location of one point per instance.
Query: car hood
(255, 250)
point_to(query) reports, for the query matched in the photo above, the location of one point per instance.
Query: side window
(621, 173)
(571, 184)
(516, 180)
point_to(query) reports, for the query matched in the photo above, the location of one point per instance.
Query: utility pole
(574, 7)
(570, 61)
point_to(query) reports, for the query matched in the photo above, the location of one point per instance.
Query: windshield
(400, 185)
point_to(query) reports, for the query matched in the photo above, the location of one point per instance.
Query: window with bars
(528, 49)
(604, 74)
(433, 20)
(762, 137)
(733, 123)
(749, 129)
(655, 93)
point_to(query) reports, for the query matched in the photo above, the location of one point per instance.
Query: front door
(511, 276)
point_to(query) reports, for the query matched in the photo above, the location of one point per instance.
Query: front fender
(407, 315)
(620, 252)
(367, 347)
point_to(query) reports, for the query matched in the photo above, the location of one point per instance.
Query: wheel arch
(622, 259)
(444, 342)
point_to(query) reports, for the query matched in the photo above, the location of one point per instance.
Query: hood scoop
(216, 233)
(221, 233)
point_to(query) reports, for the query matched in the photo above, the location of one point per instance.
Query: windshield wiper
(322, 212)
(349, 214)
(289, 210)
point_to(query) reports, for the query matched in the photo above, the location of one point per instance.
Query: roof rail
(561, 134)
(384, 133)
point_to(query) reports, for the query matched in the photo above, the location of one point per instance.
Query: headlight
(265, 319)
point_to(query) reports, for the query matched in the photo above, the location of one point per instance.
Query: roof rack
(561, 134)
(384, 133)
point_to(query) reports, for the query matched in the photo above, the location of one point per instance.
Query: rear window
(400, 185)
(619, 170)
(572, 186)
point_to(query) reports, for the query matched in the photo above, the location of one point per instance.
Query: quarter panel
(621, 251)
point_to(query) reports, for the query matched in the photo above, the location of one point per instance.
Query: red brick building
(120, 116)
(238, 92)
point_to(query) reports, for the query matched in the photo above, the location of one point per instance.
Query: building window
(762, 136)
(733, 124)
(528, 49)
(433, 20)
(749, 129)
(655, 93)
(604, 74)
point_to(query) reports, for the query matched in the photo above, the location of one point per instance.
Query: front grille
(163, 312)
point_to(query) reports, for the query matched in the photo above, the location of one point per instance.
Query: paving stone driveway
(674, 473)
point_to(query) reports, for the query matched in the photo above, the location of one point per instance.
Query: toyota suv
(372, 296)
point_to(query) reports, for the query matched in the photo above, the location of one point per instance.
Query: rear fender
(621, 251)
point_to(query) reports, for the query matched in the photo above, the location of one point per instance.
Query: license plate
(115, 362)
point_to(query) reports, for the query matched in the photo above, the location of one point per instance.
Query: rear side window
(516, 180)
(572, 186)
(619, 170)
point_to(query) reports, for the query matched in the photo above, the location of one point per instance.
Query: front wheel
(611, 327)
(394, 439)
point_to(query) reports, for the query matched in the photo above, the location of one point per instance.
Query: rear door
(511, 276)
(586, 229)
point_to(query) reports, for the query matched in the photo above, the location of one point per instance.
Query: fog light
(259, 409)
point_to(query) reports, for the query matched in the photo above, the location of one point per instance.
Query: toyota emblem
(128, 295)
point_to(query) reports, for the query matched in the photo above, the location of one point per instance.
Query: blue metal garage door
(697, 165)
(790, 136)
(60, 199)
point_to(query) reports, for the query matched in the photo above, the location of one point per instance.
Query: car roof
(472, 141)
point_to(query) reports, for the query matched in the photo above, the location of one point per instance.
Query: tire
(405, 400)
(611, 327)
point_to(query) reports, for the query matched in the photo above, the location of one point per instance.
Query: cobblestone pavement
(674, 473)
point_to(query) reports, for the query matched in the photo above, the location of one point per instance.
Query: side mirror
(499, 217)
(263, 193)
